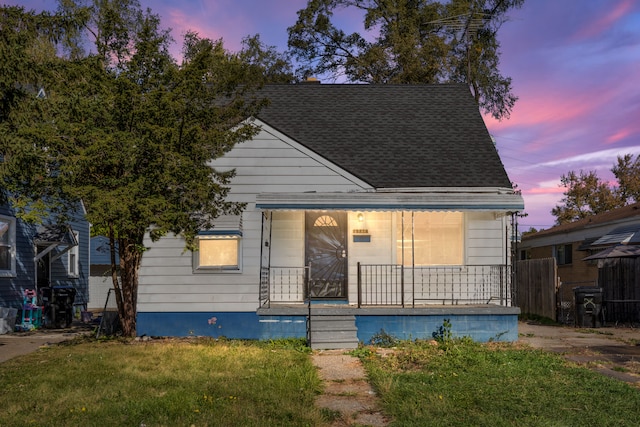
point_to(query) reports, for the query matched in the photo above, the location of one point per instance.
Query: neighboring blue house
(386, 206)
(33, 257)
(100, 280)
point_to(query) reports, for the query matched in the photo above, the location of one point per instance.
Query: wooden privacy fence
(535, 286)
(620, 281)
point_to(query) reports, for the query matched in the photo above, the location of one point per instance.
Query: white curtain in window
(437, 238)
(218, 252)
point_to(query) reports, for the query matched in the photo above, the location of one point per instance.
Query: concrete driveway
(20, 343)
(612, 351)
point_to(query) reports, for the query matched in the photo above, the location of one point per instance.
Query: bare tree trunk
(115, 271)
(130, 257)
(125, 279)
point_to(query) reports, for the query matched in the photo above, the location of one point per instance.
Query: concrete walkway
(347, 394)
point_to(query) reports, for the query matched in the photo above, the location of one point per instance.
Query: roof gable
(391, 136)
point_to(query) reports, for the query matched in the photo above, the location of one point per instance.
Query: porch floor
(300, 309)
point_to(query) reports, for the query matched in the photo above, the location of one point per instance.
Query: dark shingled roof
(391, 136)
(625, 212)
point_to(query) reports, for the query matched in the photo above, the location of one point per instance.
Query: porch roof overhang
(52, 237)
(393, 201)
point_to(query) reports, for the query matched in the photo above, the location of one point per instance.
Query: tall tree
(409, 41)
(627, 172)
(264, 63)
(130, 132)
(27, 50)
(586, 194)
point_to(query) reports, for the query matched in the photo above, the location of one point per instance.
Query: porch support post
(264, 295)
(307, 285)
(359, 285)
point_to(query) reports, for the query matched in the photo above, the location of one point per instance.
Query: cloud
(606, 21)
(546, 190)
(601, 157)
(620, 135)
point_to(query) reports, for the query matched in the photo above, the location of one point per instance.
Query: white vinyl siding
(266, 164)
(486, 238)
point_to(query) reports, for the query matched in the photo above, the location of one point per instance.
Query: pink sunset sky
(575, 66)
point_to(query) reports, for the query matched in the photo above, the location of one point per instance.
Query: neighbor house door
(326, 254)
(43, 270)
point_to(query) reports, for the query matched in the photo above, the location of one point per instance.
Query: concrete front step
(333, 332)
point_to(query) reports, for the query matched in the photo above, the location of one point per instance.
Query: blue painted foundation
(249, 325)
(480, 328)
(239, 325)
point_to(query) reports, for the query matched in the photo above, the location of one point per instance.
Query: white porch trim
(387, 201)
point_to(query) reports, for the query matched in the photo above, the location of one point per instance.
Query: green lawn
(202, 382)
(460, 383)
(162, 383)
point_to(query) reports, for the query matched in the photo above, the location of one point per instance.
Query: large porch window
(430, 238)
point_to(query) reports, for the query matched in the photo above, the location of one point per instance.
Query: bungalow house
(369, 209)
(38, 258)
(577, 248)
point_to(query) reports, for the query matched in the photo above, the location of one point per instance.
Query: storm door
(326, 254)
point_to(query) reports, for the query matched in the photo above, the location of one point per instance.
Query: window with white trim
(72, 258)
(7, 246)
(218, 252)
(430, 238)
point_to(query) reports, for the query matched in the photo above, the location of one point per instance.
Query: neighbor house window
(438, 238)
(72, 264)
(7, 246)
(563, 254)
(218, 252)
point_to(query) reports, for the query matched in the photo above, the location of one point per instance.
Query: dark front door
(326, 254)
(43, 270)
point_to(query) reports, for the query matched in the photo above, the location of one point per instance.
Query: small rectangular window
(524, 255)
(72, 260)
(563, 254)
(218, 252)
(7, 246)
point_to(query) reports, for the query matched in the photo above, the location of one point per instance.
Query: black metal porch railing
(264, 287)
(396, 285)
(282, 284)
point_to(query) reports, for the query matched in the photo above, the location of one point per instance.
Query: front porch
(407, 303)
(392, 285)
(348, 273)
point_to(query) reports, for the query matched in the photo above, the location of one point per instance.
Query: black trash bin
(588, 304)
(58, 306)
